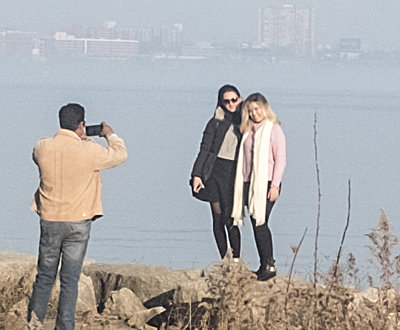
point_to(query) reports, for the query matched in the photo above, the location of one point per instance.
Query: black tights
(222, 219)
(262, 234)
(263, 238)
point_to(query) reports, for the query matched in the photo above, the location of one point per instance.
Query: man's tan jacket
(69, 168)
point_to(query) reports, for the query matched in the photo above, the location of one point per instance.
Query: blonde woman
(260, 168)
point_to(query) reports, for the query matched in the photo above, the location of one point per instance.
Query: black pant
(220, 187)
(262, 234)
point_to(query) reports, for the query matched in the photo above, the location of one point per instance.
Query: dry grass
(235, 302)
(11, 293)
(230, 287)
(383, 242)
(229, 303)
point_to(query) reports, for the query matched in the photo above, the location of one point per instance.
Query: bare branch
(319, 203)
(296, 251)
(336, 265)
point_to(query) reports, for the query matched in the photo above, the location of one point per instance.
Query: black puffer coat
(213, 136)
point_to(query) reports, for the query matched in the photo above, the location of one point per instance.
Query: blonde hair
(270, 115)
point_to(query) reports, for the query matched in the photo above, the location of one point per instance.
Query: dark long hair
(222, 91)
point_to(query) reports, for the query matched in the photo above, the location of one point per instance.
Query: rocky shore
(150, 297)
(110, 296)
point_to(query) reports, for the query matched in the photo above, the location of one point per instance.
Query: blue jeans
(66, 241)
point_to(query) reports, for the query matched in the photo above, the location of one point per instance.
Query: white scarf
(259, 178)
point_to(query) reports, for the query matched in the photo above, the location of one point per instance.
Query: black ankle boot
(258, 271)
(265, 273)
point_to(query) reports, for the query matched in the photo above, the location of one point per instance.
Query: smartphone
(94, 130)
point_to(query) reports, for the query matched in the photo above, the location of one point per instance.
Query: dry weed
(229, 286)
(383, 242)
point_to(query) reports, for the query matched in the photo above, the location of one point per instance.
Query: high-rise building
(305, 32)
(287, 29)
(287, 26)
(268, 27)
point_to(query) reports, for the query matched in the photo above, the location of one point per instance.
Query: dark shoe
(266, 273)
(258, 271)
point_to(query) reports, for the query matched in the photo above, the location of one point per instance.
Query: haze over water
(160, 109)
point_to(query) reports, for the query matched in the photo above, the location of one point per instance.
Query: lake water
(161, 108)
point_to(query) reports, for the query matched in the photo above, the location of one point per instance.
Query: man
(67, 201)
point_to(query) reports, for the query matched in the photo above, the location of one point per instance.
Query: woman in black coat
(213, 173)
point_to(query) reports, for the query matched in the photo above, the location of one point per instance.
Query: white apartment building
(287, 29)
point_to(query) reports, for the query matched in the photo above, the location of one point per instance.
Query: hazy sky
(376, 22)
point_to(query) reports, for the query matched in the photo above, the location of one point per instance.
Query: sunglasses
(233, 100)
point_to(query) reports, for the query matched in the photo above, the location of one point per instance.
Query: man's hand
(106, 131)
(197, 184)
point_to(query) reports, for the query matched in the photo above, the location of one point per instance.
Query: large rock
(123, 303)
(86, 301)
(128, 307)
(86, 296)
(154, 286)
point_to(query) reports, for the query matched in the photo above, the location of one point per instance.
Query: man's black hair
(71, 115)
